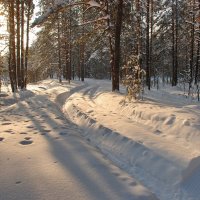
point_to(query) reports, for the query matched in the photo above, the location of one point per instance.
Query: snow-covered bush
(133, 78)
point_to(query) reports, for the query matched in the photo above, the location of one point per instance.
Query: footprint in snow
(29, 126)
(157, 132)
(6, 123)
(1, 139)
(23, 133)
(18, 182)
(27, 138)
(26, 142)
(63, 133)
(9, 130)
(47, 130)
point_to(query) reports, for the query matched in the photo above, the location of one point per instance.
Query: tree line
(18, 13)
(99, 39)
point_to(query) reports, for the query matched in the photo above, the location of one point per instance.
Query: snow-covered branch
(96, 20)
(58, 7)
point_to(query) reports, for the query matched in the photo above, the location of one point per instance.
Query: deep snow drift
(157, 140)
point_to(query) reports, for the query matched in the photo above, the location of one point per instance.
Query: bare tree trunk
(198, 53)
(18, 43)
(176, 47)
(79, 62)
(59, 52)
(197, 62)
(27, 43)
(22, 44)
(82, 49)
(66, 35)
(70, 73)
(151, 41)
(118, 27)
(12, 58)
(192, 45)
(148, 71)
(173, 43)
(66, 60)
(139, 42)
(110, 43)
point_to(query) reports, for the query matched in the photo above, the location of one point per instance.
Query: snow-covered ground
(156, 140)
(44, 157)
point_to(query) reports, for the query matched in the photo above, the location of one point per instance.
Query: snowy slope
(157, 140)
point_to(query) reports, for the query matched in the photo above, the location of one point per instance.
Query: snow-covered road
(57, 140)
(44, 157)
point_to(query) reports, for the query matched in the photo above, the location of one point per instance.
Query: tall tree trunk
(197, 61)
(66, 35)
(12, 57)
(59, 52)
(151, 41)
(22, 44)
(174, 42)
(18, 43)
(70, 73)
(198, 54)
(110, 43)
(66, 61)
(192, 45)
(148, 71)
(79, 62)
(139, 33)
(27, 42)
(176, 46)
(118, 27)
(82, 48)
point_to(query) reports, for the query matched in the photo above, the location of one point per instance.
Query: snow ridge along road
(154, 151)
(44, 157)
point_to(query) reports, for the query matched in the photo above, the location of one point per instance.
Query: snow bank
(165, 165)
(181, 122)
(160, 174)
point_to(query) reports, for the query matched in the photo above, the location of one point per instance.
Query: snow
(156, 140)
(93, 3)
(60, 4)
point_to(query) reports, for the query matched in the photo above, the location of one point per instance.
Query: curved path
(43, 157)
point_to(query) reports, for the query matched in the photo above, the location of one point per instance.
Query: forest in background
(136, 42)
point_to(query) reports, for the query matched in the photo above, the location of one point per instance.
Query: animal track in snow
(26, 142)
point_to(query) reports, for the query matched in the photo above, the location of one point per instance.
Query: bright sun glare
(4, 32)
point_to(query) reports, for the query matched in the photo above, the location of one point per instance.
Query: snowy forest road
(44, 157)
